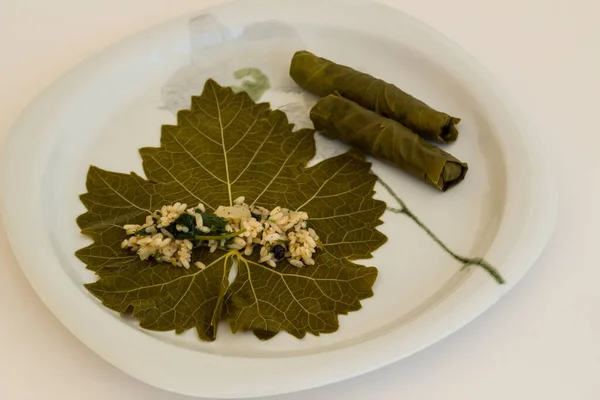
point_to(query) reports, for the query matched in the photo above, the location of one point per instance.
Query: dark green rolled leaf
(324, 77)
(387, 140)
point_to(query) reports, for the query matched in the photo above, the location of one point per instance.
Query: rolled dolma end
(309, 72)
(453, 173)
(387, 140)
(449, 133)
(324, 77)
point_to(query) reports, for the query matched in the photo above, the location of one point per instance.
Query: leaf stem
(464, 260)
(220, 237)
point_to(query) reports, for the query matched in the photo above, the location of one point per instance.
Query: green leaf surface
(227, 146)
(270, 300)
(166, 298)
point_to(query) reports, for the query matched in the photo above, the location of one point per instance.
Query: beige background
(542, 341)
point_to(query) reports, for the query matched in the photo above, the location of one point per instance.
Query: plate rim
(540, 226)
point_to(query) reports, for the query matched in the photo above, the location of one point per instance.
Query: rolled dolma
(324, 77)
(388, 140)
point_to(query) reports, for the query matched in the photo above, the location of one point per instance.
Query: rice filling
(172, 233)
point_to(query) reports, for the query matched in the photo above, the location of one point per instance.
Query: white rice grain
(239, 201)
(182, 228)
(308, 261)
(199, 221)
(200, 265)
(275, 217)
(146, 240)
(266, 258)
(239, 241)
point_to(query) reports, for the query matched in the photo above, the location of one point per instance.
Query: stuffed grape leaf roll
(324, 77)
(388, 140)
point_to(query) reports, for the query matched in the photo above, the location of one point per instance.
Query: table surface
(541, 341)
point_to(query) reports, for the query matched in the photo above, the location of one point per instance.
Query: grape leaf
(224, 147)
(166, 298)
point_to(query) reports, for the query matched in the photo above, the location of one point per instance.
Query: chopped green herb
(187, 221)
(215, 223)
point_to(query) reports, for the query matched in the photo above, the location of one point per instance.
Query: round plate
(104, 110)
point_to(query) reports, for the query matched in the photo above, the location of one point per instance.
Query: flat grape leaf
(166, 298)
(224, 147)
(269, 300)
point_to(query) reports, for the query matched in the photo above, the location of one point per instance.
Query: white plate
(104, 110)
